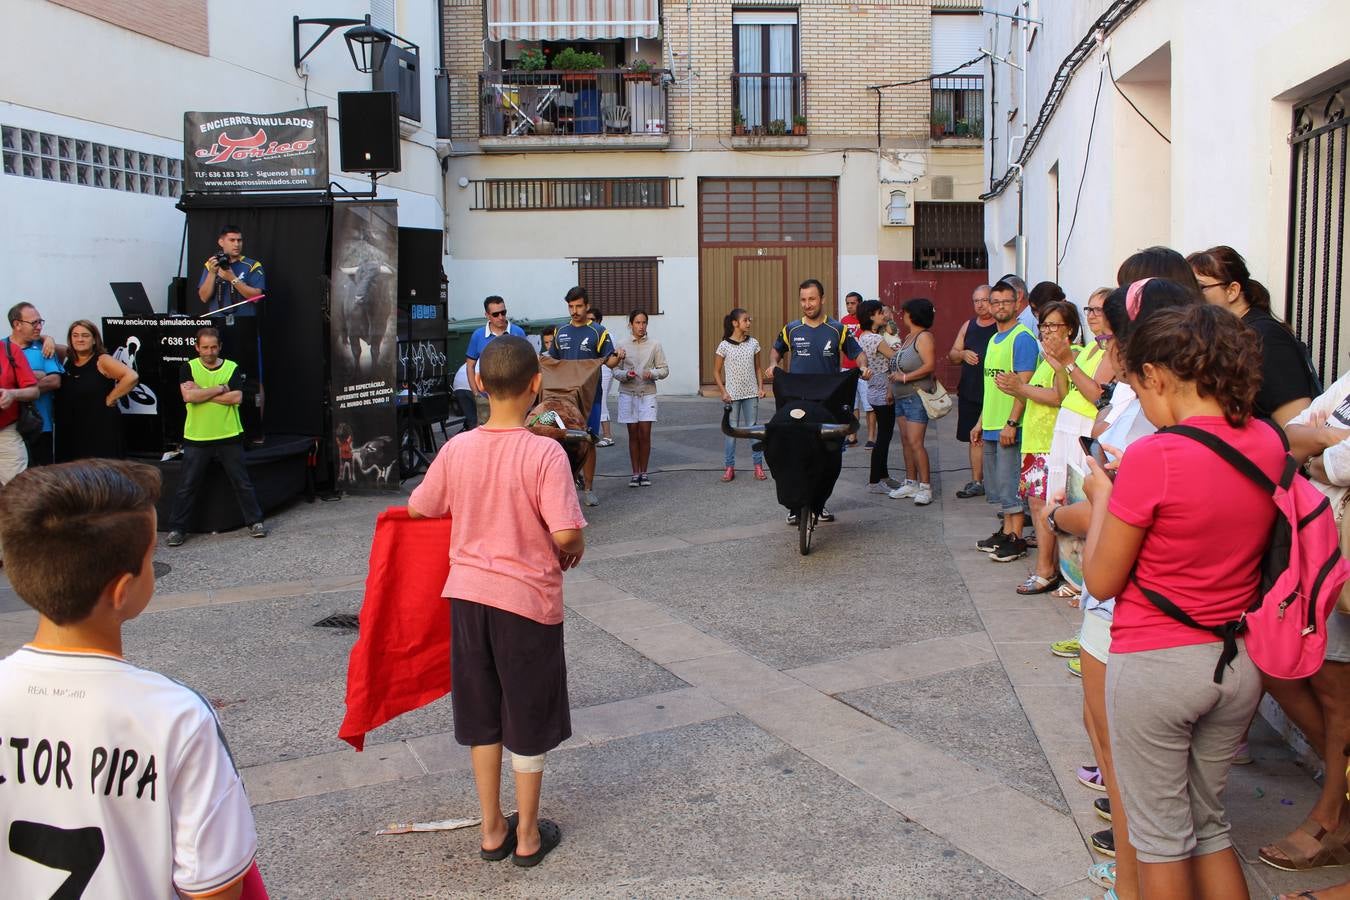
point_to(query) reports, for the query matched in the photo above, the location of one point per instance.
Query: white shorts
(635, 408)
(606, 378)
(1095, 638)
(860, 402)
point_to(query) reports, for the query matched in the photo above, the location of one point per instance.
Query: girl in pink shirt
(1181, 522)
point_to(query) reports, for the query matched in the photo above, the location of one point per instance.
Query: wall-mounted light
(897, 211)
(368, 44)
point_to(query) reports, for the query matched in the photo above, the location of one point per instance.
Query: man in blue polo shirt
(580, 339)
(814, 345)
(242, 279)
(25, 336)
(494, 308)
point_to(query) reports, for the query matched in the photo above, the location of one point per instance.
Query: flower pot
(578, 76)
(799, 129)
(937, 131)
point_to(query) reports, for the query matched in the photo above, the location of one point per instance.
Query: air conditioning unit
(943, 187)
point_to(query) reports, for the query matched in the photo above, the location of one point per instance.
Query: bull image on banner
(231, 152)
(363, 352)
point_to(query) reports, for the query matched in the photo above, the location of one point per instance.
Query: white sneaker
(908, 489)
(589, 498)
(923, 496)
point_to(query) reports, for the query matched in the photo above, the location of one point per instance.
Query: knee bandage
(527, 764)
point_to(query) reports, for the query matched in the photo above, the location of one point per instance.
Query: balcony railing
(958, 106)
(593, 103)
(767, 102)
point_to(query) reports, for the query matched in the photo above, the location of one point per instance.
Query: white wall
(1224, 177)
(88, 79)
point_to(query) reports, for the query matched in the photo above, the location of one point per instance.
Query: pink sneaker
(759, 473)
(1091, 777)
(729, 474)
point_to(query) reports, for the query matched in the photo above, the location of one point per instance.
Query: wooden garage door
(758, 239)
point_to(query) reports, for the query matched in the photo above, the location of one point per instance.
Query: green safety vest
(211, 421)
(1088, 361)
(998, 357)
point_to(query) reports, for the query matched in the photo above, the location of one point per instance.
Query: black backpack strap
(1227, 632)
(1227, 452)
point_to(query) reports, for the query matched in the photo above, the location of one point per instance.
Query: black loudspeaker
(178, 296)
(368, 131)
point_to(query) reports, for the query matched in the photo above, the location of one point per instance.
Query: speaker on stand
(368, 136)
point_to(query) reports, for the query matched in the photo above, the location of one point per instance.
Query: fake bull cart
(568, 390)
(803, 442)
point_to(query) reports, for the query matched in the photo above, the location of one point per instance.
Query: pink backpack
(1302, 572)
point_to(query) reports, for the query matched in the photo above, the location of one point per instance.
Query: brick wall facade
(844, 48)
(181, 23)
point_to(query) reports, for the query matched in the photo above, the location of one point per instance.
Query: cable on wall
(1082, 178)
(1115, 85)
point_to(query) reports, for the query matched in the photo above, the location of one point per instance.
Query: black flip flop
(508, 845)
(550, 836)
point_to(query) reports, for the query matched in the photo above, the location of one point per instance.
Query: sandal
(1035, 584)
(550, 836)
(1066, 591)
(1333, 850)
(508, 844)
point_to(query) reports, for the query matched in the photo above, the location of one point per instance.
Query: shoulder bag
(29, 424)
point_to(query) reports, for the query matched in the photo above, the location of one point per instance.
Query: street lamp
(370, 41)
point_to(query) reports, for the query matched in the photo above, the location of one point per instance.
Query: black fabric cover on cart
(804, 465)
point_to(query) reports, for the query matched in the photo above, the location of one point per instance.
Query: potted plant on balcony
(937, 124)
(638, 70)
(799, 125)
(777, 128)
(962, 127)
(737, 121)
(975, 127)
(576, 65)
(531, 60)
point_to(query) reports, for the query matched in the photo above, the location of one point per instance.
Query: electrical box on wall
(897, 209)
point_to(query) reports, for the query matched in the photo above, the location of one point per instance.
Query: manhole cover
(338, 620)
(162, 569)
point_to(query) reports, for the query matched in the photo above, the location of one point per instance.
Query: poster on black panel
(231, 152)
(364, 350)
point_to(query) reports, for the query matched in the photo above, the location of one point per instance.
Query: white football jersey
(115, 781)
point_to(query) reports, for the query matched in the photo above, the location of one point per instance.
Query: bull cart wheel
(806, 523)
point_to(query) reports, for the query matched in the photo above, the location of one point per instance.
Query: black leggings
(885, 414)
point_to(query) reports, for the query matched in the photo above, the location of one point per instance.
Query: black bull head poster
(364, 354)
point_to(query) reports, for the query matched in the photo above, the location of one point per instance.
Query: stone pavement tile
(328, 772)
(977, 639)
(1055, 710)
(714, 810)
(621, 549)
(902, 663)
(1075, 891)
(803, 717)
(623, 617)
(1043, 852)
(664, 644)
(642, 715)
(972, 715)
(1023, 625)
(1030, 663)
(437, 753)
(736, 533)
(732, 677)
(580, 594)
(899, 770)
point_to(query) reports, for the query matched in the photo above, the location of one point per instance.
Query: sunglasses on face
(498, 314)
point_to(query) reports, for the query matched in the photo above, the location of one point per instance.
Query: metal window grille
(958, 106)
(575, 193)
(49, 157)
(949, 236)
(1317, 239)
(769, 211)
(618, 285)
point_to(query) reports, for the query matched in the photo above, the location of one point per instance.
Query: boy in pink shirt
(517, 527)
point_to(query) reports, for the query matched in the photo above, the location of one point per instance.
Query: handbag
(937, 402)
(29, 424)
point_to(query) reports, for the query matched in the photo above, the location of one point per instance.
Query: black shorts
(508, 680)
(967, 415)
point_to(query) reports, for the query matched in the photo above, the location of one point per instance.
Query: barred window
(769, 211)
(618, 285)
(949, 236)
(575, 193)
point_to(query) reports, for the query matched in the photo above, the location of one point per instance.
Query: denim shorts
(911, 408)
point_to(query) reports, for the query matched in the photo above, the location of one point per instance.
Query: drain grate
(161, 569)
(338, 620)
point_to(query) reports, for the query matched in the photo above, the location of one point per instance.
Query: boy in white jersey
(115, 781)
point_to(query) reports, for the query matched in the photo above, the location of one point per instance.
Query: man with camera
(230, 277)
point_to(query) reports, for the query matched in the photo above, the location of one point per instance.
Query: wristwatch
(1070, 368)
(1050, 520)
(1014, 424)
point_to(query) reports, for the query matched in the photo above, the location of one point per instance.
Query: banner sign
(230, 152)
(364, 349)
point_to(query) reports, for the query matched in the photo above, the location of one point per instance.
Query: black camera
(222, 260)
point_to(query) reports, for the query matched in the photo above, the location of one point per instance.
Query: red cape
(401, 659)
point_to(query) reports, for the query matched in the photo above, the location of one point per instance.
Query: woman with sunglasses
(1288, 382)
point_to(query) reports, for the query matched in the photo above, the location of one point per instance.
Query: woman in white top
(644, 363)
(739, 377)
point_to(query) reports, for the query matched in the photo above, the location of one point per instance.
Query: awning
(577, 20)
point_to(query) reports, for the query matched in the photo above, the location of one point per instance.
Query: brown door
(758, 239)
